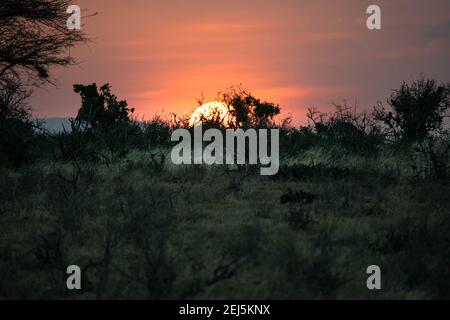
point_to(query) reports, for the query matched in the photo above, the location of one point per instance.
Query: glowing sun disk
(211, 111)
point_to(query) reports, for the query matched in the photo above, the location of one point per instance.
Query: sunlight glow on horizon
(213, 111)
(161, 56)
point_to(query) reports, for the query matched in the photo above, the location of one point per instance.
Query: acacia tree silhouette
(33, 38)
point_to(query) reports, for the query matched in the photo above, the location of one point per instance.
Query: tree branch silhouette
(33, 38)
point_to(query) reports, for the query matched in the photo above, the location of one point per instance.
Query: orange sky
(162, 55)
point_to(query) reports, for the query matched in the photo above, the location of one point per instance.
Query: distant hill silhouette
(55, 124)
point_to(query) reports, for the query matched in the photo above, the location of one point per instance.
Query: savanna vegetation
(355, 188)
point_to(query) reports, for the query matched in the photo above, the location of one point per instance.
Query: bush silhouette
(108, 119)
(100, 108)
(417, 109)
(246, 110)
(16, 128)
(347, 127)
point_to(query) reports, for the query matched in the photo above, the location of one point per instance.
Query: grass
(140, 230)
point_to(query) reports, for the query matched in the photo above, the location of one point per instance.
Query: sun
(212, 111)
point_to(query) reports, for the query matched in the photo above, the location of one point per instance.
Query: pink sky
(162, 55)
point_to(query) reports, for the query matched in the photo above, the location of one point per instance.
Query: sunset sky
(162, 55)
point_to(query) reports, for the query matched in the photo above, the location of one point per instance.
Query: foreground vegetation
(139, 230)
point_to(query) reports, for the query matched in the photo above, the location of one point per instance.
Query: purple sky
(161, 55)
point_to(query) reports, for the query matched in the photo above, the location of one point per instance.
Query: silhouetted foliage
(100, 108)
(248, 111)
(78, 144)
(346, 126)
(157, 132)
(108, 120)
(430, 158)
(33, 38)
(13, 102)
(16, 142)
(416, 109)
(16, 128)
